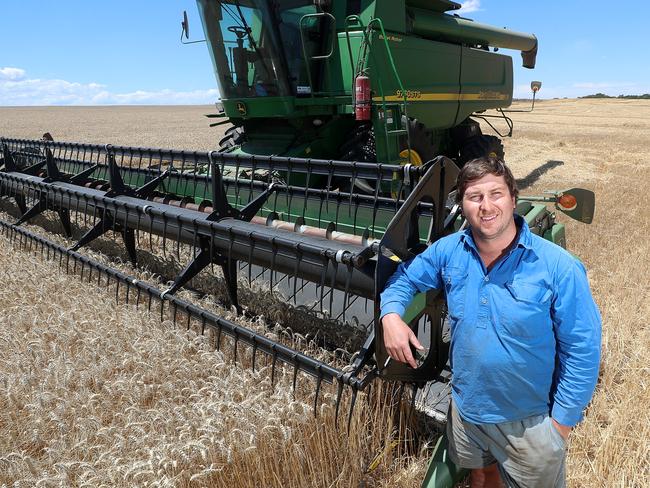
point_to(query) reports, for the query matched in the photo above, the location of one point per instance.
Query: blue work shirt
(525, 336)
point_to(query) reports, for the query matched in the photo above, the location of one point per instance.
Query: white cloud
(18, 89)
(11, 73)
(604, 85)
(469, 6)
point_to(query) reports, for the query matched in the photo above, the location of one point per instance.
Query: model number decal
(390, 38)
(410, 94)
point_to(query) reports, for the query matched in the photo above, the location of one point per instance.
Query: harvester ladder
(362, 67)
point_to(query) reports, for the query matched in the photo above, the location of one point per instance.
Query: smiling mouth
(488, 219)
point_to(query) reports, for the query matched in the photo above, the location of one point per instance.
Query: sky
(75, 52)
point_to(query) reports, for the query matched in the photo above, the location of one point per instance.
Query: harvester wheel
(481, 146)
(422, 149)
(234, 136)
(361, 147)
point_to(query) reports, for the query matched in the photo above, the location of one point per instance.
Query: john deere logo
(241, 108)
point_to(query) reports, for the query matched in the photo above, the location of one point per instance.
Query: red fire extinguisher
(362, 97)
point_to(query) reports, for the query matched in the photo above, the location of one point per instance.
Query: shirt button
(487, 278)
(483, 300)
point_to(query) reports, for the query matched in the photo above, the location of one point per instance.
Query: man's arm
(418, 275)
(577, 326)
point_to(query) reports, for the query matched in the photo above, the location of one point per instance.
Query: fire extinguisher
(362, 97)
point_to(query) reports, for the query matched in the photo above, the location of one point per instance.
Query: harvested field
(96, 394)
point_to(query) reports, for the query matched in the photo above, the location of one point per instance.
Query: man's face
(488, 206)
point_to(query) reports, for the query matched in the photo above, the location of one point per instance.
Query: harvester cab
(371, 80)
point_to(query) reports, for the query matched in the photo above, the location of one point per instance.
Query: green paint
(297, 63)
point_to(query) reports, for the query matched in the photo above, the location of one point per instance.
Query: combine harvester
(349, 122)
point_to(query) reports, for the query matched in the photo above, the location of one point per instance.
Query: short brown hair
(477, 168)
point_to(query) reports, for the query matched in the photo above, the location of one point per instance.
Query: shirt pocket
(454, 280)
(525, 309)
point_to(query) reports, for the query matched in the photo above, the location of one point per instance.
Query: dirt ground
(604, 147)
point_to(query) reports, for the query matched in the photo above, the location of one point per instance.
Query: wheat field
(94, 394)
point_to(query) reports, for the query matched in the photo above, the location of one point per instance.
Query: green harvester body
(286, 72)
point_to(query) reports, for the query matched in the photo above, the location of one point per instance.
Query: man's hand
(398, 337)
(564, 430)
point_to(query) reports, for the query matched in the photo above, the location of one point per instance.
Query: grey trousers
(529, 453)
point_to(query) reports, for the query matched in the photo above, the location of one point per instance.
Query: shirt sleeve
(418, 275)
(577, 326)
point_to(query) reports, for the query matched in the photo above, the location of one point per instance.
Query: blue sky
(75, 52)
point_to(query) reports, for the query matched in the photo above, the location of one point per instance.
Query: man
(525, 335)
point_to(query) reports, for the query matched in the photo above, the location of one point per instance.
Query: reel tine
(178, 237)
(339, 397)
(328, 187)
(335, 265)
(218, 340)
(274, 251)
(150, 231)
(237, 186)
(322, 281)
(353, 401)
(137, 229)
(251, 188)
(354, 180)
(346, 292)
(288, 193)
(307, 186)
(195, 231)
(319, 381)
(250, 258)
(230, 239)
(295, 273)
(164, 238)
(128, 286)
(162, 308)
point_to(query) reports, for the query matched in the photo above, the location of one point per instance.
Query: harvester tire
(234, 136)
(360, 146)
(481, 146)
(420, 139)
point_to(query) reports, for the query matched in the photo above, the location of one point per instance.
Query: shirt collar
(524, 235)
